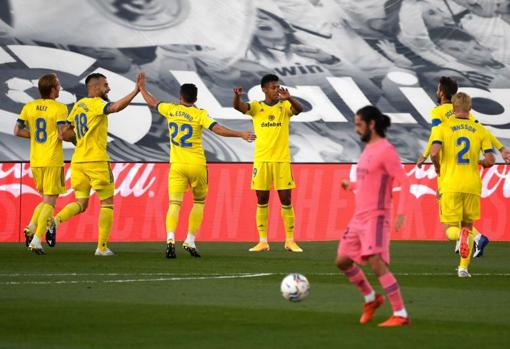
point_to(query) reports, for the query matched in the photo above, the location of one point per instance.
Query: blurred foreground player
(367, 237)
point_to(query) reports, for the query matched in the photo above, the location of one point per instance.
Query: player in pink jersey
(367, 237)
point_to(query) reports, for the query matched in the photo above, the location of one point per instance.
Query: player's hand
(238, 91)
(505, 154)
(399, 221)
(346, 184)
(140, 80)
(420, 161)
(283, 93)
(248, 136)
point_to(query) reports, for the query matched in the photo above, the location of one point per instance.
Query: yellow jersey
(89, 118)
(271, 124)
(442, 113)
(43, 117)
(462, 140)
(185, 125)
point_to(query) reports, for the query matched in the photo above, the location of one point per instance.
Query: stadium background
(336, 56)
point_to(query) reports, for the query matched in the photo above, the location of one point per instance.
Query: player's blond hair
(46, 84)
(461, 102)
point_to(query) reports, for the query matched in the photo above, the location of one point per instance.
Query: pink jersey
(378, 165)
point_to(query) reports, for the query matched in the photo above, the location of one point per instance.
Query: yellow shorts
(183, 176)
(267, 174)
(459, 207)
(49, 180)
(92, 175)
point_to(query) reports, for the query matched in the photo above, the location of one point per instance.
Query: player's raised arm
(124, 102)
(284, 94)
(152, 102)
(237, 103)
(226, 132)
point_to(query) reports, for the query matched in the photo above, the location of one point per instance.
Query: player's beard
(104, 96)
(438, 99)
(365, 137)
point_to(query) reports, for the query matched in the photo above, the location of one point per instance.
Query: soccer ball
(295, 287)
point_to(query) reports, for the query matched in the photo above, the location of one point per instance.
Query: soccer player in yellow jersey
(271, 166)
(90, 166)
(43, 121)
(460, 141)
(447, 87)
(188, 167)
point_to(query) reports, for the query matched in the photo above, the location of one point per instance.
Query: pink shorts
(366, 235)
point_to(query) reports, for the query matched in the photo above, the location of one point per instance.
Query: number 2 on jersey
(466, 144)
(187, 130)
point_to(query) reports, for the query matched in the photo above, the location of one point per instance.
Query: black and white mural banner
(334, 55)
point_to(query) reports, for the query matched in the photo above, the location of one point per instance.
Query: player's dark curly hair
(189, 93)
(268, 78)
(382, 122)
(448, 86)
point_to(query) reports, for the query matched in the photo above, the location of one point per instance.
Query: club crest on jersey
(271, 117)
(144, 15)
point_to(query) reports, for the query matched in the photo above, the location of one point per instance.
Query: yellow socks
(35, 216)
(172, 215)
(195, 216)
(453, 233)
(68, 212)
(105, 226)
(46, 211)
(464, 262)
(262, 218)
(288, 221)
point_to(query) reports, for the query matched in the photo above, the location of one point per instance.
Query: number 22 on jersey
(185, 131)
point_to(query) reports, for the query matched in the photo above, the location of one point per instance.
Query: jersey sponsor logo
(271, 124)
(271, 117)
(144, 15)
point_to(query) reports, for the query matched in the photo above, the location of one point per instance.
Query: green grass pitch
(230, 298)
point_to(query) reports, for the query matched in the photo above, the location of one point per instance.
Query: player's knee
(262, 197)
(343, 263)
(199, 199)
(84, 204)
(107, 202)
(285, 197)
(378, 265)
(286, 202)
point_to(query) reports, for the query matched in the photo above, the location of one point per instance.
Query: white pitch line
(60, 282)
(117, 274)
(197, 276)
